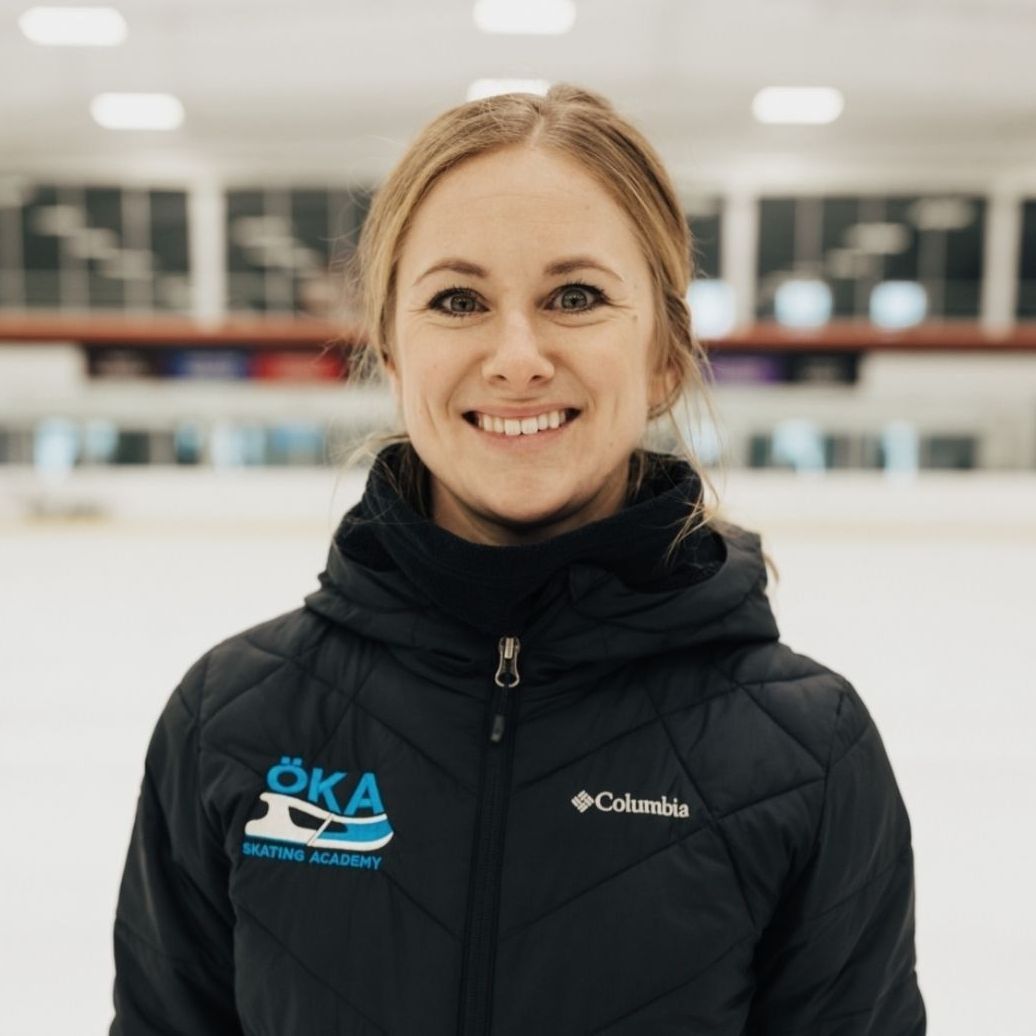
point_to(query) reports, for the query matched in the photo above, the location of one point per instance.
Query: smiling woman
(527, 255)
(586, 788)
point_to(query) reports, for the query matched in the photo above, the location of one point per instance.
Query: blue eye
(596, 297)
(462, 293)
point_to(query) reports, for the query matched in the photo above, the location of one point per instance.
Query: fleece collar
(587, 598)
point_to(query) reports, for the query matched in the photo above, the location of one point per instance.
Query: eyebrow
(556, 268)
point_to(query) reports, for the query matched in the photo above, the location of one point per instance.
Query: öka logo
(303, 812)
(609, 802)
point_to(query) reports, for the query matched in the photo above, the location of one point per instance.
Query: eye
(463, 294)
(593, 297)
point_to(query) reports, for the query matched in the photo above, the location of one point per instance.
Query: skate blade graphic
(335, 832)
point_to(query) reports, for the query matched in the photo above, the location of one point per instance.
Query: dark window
(41, 249)
(776, 249)
(100, 245)
(1027, 262)
(902, 265)
(169, 230)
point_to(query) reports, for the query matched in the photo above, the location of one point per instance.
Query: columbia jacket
(638, 813)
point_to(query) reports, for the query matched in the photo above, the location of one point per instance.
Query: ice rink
(922, 593)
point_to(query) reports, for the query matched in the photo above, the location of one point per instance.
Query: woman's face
(521, 290)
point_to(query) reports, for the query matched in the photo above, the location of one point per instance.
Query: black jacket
(550, 789)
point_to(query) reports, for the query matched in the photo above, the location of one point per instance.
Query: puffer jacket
(633, 811)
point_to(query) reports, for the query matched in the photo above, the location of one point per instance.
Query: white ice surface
(923, 595)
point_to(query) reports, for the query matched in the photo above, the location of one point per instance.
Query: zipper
(506, 677)
(479, 946)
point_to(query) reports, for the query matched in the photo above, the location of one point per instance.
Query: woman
(532, 760)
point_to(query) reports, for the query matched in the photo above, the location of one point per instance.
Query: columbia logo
(609, 802)
(583, 801)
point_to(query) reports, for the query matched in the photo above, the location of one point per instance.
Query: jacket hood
(582, 602)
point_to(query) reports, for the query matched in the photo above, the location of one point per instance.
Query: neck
(457, 516)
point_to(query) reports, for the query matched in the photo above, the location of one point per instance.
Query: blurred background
(180, 186)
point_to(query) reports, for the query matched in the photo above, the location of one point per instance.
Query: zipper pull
(506, 677)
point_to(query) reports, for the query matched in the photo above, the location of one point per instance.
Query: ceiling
(935, 90)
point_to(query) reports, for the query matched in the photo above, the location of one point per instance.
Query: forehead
(513, 203)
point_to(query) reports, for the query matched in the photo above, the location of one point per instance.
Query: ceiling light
(137, 111)
(943, 213)
(527, 17)
(490, 87)
(798, 104)
(878, 238)
(73, 26)
(56, 220)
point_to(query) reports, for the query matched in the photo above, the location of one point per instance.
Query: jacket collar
(581, 602)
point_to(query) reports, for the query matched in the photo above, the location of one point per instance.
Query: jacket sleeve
(173, 933)
(838, 957)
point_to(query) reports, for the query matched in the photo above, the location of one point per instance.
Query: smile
(540, 428)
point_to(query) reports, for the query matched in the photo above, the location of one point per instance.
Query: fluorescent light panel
(798, 104)
(73, 26)
(525, 17)
(137, 111)
(491, 87)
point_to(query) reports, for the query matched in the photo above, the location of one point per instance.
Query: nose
(518, 354)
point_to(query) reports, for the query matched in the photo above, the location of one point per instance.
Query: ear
(392, 374)
(663, 383)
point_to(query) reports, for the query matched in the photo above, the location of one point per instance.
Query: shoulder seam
(814, 845)
(195, 716)
(847, 692)
(248, 688)
(770, 716)
(864, 731)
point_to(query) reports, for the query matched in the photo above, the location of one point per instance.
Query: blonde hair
(577, 124)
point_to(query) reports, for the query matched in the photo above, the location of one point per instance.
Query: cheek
(430, 386)
(619, 375)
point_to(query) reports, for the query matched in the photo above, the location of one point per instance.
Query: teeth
(521, 426)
